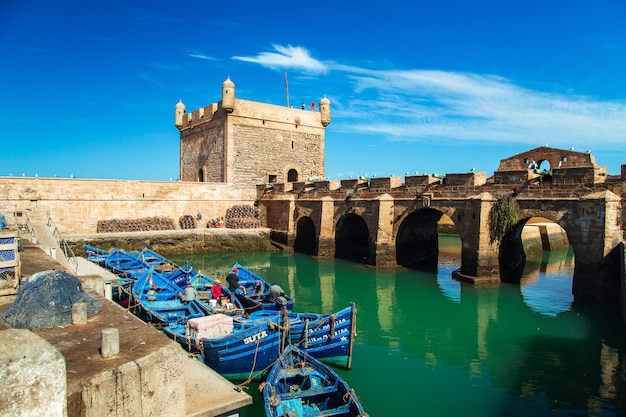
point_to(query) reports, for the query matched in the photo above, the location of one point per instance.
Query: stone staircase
(43, 232)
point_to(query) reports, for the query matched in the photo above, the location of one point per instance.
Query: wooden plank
(8, 264)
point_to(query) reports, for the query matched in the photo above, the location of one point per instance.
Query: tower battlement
(246, 143)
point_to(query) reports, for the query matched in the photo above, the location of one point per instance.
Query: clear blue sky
(88, 88)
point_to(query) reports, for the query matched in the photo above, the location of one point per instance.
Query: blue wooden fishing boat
(301, 386)
(255, 291)
(254, 344)
(175, 280)
(134, 264)
(166, 312)
(128, 264)
(157, 300)
(125, 264)
(152, 286)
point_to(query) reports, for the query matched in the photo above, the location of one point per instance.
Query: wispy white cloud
(287, 57)
(201, 56)
(148, 77)
(424, 105)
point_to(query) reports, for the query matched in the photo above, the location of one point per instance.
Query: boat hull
(298, 384)
(255, 343)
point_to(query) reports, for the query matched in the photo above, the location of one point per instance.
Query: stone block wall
(76, 205)
(420, 180)
(474, 179)
(203, 149)
(261, 152)
(577, 176)
(255, 143)
(385, 184)
(567, 159)
(131, 389)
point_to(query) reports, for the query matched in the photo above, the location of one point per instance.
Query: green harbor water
(429, 345)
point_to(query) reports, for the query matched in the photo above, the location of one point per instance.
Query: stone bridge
(389, 222)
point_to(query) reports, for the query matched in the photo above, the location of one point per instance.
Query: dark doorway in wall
(201, 175)
(305, 237)
(292, 175)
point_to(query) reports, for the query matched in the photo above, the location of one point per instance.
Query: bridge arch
(532, 247)
(417, 239)
(306, 236)
(352, 239)
(522, 242)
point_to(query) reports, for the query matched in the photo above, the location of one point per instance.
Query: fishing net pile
(214, 223)
(243, 217)
(135, 225)
(45, 300)
(187, 221)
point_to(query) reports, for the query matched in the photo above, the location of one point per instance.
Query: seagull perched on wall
(472, 170)
(571, 149)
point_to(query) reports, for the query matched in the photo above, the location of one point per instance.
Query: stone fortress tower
(246, 143)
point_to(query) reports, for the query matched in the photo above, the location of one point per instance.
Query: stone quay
(62, 372)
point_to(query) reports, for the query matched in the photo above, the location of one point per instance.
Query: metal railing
(27, 226)
(67, 251)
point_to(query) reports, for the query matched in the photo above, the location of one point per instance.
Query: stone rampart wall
(265, 151)
(179, 242)
(567, 158)
(76, 205)
(460, 186)
(202, 148)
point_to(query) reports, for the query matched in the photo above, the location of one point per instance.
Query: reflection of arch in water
(548, 290)
(533, 249)
(448, 262)
(352, 239)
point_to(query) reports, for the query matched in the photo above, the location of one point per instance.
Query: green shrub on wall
(503, 215)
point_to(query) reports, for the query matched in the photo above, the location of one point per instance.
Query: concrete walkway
(206, 392)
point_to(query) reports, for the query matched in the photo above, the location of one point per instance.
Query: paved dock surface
(207, 393)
